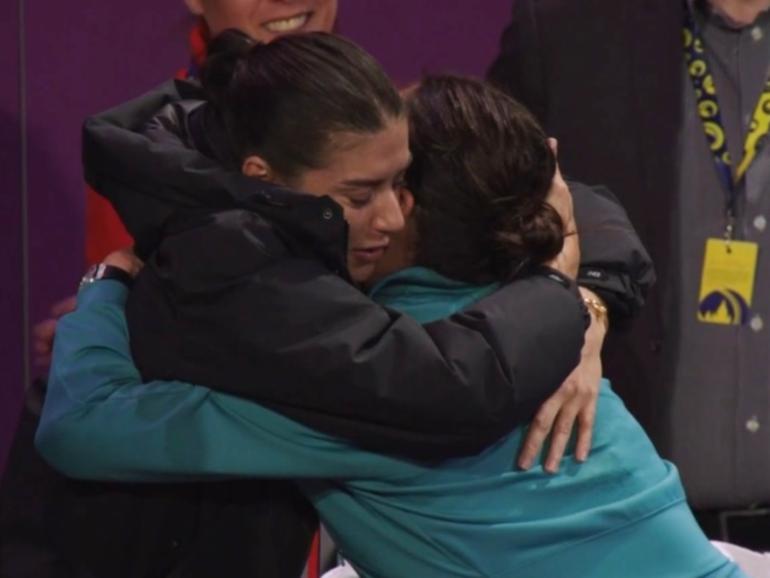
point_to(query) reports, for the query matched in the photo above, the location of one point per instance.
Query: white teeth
(287, 24)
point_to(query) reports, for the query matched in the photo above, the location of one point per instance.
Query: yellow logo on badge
(727, 284)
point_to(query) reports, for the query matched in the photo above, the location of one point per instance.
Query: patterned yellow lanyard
(710, 114)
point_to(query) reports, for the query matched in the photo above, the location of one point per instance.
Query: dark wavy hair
(285, 100)
(481, 170)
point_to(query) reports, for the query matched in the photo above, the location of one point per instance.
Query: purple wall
(11, 286)
(84, 56)
(81, 56)
(410, 37)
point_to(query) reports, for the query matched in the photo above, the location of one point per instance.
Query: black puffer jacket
(246, 291)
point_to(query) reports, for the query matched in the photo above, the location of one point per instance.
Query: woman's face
(265, 20)
(364, 174)
(403, 244)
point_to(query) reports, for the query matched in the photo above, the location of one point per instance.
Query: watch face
(92, 272)
(97, 271)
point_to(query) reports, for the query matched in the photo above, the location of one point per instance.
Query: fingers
(554, 144)
(560, 435)
(44, 332)
(572, 407)
(586, 419)
(560, 198)
(571, 255)
(539, 429)
(557, 178)
(64, 306)
(42, 344)
(579, 413)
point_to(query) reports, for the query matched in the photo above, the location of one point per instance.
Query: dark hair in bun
(225, 53)
(284, 100)
(481, 172)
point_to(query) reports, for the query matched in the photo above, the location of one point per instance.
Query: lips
(369, 254)
(284, 25)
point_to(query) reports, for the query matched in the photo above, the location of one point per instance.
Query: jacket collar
(426, 295)
(147, 157)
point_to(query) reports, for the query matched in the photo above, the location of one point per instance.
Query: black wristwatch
(102, 271)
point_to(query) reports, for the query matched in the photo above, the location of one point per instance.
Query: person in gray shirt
(615, 83)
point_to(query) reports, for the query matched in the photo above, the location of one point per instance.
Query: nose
(388, 217)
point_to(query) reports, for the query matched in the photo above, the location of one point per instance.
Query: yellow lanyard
(710, 114)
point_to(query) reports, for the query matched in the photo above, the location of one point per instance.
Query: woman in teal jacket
(481, 167)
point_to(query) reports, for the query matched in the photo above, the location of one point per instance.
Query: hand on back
(44, 332)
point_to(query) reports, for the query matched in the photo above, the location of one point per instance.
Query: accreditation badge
(727, 284)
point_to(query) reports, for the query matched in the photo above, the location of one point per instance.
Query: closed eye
(361, 200)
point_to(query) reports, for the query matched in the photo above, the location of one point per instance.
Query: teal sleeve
(101, 422)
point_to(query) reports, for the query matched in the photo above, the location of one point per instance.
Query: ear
(258, 168)
(195, 6)
(406, 201)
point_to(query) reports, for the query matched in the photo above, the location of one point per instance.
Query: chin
(362, 274)
(364, 279)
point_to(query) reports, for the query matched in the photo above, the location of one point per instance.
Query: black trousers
(54, 527)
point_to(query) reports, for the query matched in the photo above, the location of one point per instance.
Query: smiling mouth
(285, 25)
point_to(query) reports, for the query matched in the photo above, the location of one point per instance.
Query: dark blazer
(604, 77)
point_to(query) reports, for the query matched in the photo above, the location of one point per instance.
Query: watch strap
(103, 271)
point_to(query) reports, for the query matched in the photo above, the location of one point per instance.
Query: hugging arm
(101, 422)
(301, 340)
(244, 294)
(616, 267)
(614, 263)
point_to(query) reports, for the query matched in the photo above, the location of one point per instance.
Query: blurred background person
(676, 129)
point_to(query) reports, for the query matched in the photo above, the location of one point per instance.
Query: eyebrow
(361, 183)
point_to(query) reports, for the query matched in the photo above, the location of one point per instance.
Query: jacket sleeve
(294, 336)
(123, 164)
(101, 422)
(613, 261)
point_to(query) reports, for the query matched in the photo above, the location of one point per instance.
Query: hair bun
(225, 54)
(534, 234)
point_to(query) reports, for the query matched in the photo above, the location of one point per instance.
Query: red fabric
(313, 568)
(314, 559)
(104, 230)
(199, 40)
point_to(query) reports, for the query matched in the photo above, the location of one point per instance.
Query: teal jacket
(622, 513)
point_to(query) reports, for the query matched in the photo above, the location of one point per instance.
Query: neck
(740, 12)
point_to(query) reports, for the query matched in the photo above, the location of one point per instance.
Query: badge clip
(729, 230)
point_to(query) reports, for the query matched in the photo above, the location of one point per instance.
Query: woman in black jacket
(271, 273)
(248, 287)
